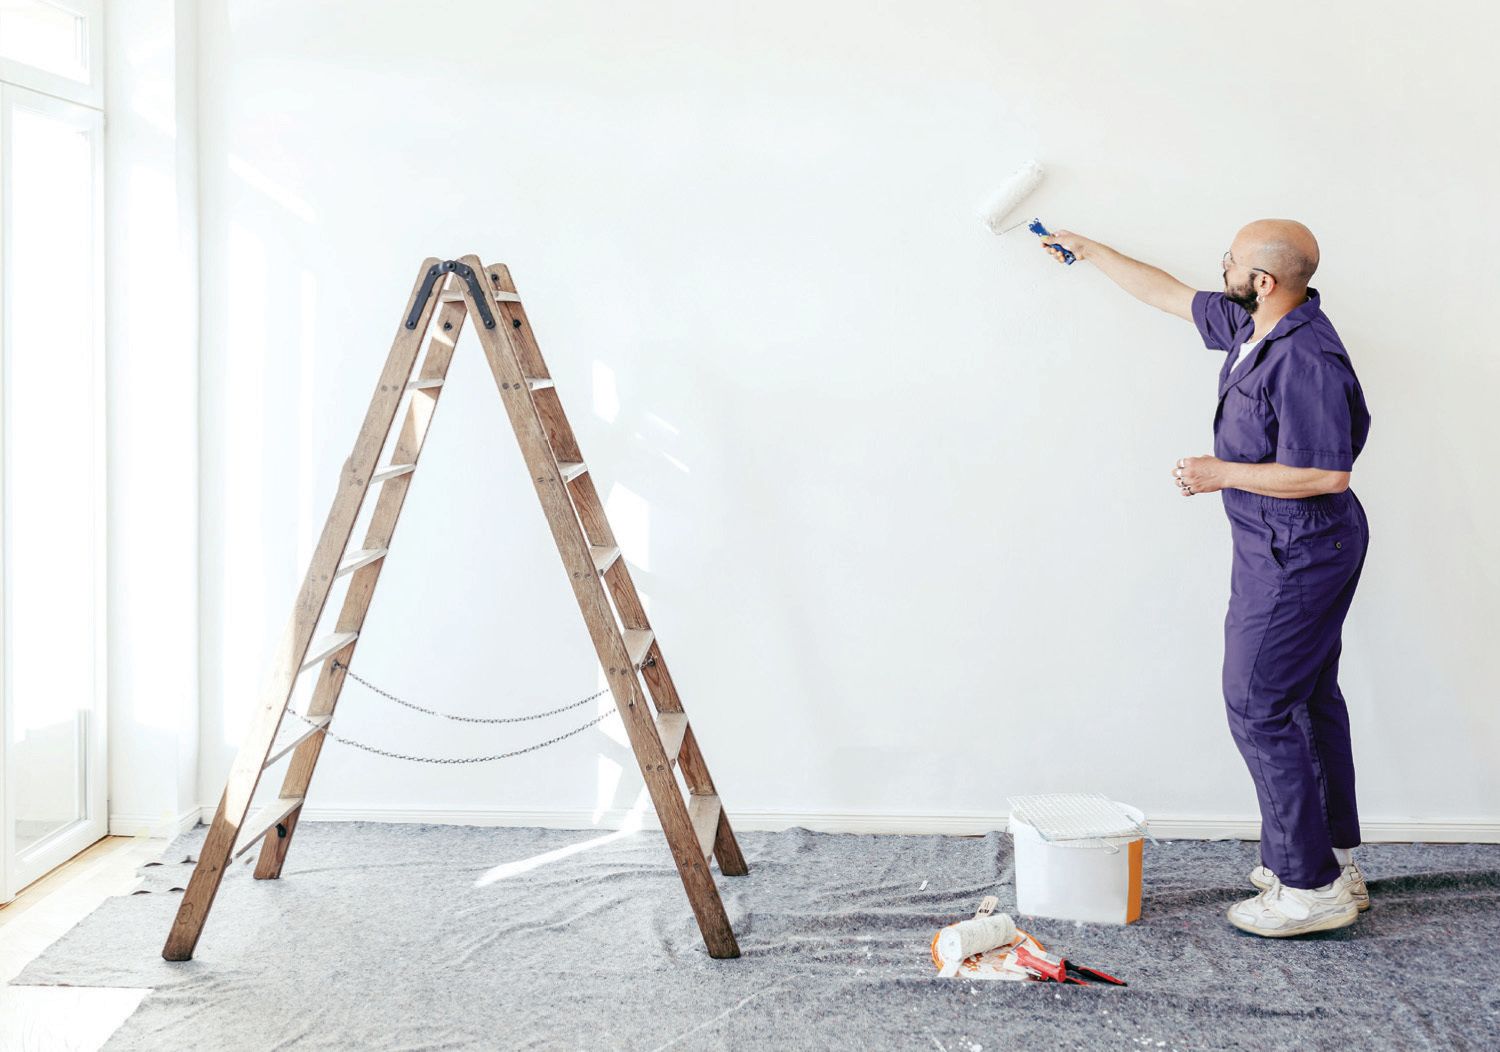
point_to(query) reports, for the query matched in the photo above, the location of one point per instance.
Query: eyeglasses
(1228, 262)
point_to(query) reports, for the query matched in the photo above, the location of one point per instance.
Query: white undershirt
(1245, 349)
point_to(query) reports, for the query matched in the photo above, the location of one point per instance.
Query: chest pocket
(1246, 428)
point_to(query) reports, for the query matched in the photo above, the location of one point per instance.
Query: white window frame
(58, 98)
(89, 94)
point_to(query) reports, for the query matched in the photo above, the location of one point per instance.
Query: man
(1291, 420)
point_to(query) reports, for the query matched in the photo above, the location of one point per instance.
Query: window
(53, 46)
(52, 596)
(48, 36)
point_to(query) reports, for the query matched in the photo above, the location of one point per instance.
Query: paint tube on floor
(966, 938)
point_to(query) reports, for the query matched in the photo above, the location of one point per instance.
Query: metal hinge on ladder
(435, 272)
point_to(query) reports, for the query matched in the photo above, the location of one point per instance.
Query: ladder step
(265, 820)
(322, 648)
(536, 383)
(357, 558)
(306, 731)
(571, 469)
(703, 811)
(604, 557)
(637, 642)
(456, 296)
(422, 385)
(391, 472)
(671, 728)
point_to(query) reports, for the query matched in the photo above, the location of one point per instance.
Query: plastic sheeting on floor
(413, 937)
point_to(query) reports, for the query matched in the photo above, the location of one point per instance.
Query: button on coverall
(1294, 401)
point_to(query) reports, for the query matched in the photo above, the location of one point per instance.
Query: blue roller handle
(1035, 226)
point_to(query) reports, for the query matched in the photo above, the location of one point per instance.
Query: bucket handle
(1144, 831)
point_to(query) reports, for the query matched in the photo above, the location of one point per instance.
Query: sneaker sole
(1360, 903)
(1326, 924)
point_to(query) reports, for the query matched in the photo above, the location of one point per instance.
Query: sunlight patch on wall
(630, 516)
(307, 351)
(659, 422)
(244, 580)
(609, 781)
(606, 395)
(151, 205)
(275, 191)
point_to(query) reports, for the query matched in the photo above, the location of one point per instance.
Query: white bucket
(1080, 880)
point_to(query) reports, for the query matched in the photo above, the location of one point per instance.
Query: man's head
(1270, 260)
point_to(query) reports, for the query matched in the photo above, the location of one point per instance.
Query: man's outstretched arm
(1146, 283)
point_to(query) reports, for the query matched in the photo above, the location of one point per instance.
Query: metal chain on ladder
(465, 719)
(456, 759)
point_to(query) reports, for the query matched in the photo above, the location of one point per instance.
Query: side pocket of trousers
(1276, 540)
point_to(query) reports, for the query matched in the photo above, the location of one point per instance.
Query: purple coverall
(1294, 400)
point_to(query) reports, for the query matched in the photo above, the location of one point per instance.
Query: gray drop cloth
(382, 937)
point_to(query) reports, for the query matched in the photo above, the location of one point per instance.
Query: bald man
(1290, 422)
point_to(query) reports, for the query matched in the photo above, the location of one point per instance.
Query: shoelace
(1272, 899)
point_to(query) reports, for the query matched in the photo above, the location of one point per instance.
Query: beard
(1243, 295)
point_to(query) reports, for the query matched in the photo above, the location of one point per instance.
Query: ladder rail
(696, 827)
(291, 651)
(621, 588)
(409, 444)
(512, 355)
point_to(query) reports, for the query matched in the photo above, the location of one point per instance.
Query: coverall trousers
(1296, 566)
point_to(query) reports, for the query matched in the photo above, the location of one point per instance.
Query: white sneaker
(1280, 911)
(1350, 876)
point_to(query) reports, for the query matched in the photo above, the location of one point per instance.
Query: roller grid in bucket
(1074, 816)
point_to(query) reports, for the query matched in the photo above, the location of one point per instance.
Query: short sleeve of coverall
(1313, 406)
(1218, 320)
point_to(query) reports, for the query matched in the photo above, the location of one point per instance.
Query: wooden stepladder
(445, 294)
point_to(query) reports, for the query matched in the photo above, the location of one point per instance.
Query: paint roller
(1008, 195)
(958, 942)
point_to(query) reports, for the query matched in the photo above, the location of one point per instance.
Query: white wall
(909, 538)
(152, 339)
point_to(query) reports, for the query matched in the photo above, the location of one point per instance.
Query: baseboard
(157, 825)
(1163, 827)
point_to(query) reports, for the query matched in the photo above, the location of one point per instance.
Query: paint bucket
(1096, 879)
